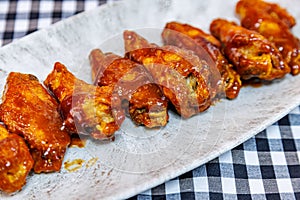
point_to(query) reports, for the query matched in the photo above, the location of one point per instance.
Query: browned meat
(265, 18)
(86, 109)
(31, 112)
(15, 161)
(251, 53)
(183, 77)
(141, 97)
(192, 38)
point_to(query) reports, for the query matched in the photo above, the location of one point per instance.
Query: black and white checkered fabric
(21, 17)
(266, 166)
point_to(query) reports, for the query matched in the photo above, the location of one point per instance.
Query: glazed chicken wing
(31, 112)
(272, 9)
(133, 41)
(183, 76)
(86, 109)
(141, 97)
(273, 28)
(15, 161)
(192, 38)
(251, 53)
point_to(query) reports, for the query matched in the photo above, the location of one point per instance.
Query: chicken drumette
(274, 23)
(192, 38)
(184, 78)
(272, 9)
(252, 54)
(140, 96)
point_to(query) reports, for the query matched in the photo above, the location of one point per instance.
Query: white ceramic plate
(140, 159)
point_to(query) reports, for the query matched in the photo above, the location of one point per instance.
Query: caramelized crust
(183, 77)
(30, 111)
(141, 97)
(149, 106)
(63, 83)
(274, 28)
(271, 9)
(86, 109)
(100, 63)
(15, 161)
(191, 38)
(133, 41)
(251, 53)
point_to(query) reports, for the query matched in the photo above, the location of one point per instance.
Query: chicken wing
(262, 19)
(192, 38)
(272, 9)
(86, 109)
(15, 161)
(141, 97)
(183, 76)
(133, 41)
(31, 112)
(251, 53)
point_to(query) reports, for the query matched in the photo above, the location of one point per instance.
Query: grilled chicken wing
(251, 53)
(183, 76)
(86, 109)
(30, 111)
(141, 97)
(192, 38)
(261, 17)
(15, 161)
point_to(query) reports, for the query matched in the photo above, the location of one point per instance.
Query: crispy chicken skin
(15, 161)
(192, 38)
(86, 109)
(251, 53)
(31, 112)
(141, 97)
(182, 75)
(265, 21)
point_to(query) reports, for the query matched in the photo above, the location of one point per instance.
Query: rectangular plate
(140, 159)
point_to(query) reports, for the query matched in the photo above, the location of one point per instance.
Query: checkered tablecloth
(266, 166)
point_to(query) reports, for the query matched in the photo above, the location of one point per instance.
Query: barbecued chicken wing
(31, 112)
(140, 96)
(259, 16)
(15, 161)
(272, 9)
(192, 38)
(251, 53)
(183, 76)
(86, 109)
